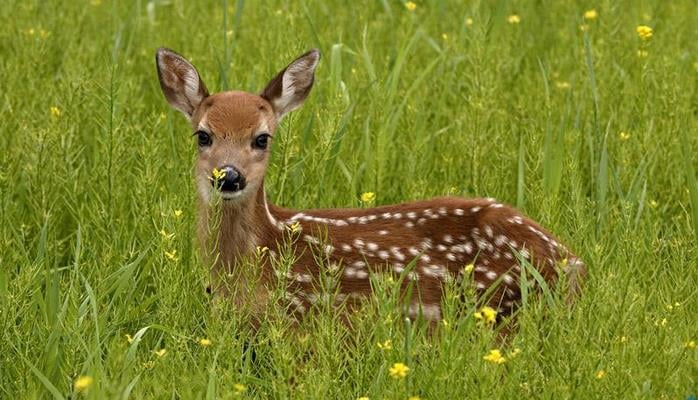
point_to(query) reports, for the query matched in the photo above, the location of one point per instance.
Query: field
(565, 109)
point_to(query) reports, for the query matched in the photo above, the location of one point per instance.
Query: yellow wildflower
(368, 197)
(691, 344)
(166, 235)
(468, 21)
(160, 352)
(296, 227)
(129, 338)
(83, 383)
(410, 5)
(30, 31)
(623, 339)
(260, 250)
(398, 370)
(487, 315)
(445, 323)
(584, 27)
(44, 33)
(469, 268)
(444, 36)
(590, 14)
(644, 31)
(563, 85)
(149, 364)
(624, 136)
(177, 213)
(55, 112)
(363, 398)
(172, 255)
(386, 345)
(643, 53)
(239, 388)
(218, 174)
(495, 356)
(96, 2)
(654, 204)
(205, 342)
(600, 374)
(414, 398)
(513, 19)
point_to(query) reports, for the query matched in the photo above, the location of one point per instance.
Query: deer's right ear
(180, 82)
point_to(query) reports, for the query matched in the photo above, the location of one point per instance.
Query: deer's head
(234, 130)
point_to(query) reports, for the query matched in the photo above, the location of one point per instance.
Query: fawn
(424, 243)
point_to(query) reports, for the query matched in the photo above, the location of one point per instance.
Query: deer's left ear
(291, 86)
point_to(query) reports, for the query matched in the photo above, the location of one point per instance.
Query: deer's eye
(204, 138)
(261, 141)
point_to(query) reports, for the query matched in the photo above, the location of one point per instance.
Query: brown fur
(427, 242)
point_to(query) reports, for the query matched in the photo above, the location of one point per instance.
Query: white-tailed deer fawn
(426, 243)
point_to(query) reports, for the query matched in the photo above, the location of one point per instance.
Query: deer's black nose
(228, 179)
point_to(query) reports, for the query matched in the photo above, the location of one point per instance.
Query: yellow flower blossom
(160, 352)
(205, 342)
(444, 36)
(386, 345)
(398, 370)
(218, 174)
(654, 204)
(414, 398)
(410, 5)
(591, 14)
(363, 398)
(129, 338)
(563, 85)
(166, 235)
(368, 197)
(643, 53)
(44, 33)
(644, 31)
(495, 356)
(691, 344)
(469, 268)
(239, 388)
(468, 21)
(487, 315)
(55, 112)
(624, 136)
(623, 339)
(600, 374)
(296, 227)
(584, 27)
(260, 250)
(82, 383)
(513, 19)
(96, 2)
(172, 255)
(178, 213)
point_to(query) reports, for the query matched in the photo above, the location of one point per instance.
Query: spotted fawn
(422, 244)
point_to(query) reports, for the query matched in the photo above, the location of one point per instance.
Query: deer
(426, 244)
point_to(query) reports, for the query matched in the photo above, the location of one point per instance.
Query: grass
(592, 132)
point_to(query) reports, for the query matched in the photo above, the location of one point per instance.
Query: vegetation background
(566, 113)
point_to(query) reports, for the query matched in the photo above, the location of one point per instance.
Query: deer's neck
(233, 231)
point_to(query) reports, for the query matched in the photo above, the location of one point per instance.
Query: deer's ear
(291, 86)
(180, 82)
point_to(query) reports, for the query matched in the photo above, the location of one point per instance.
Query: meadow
(569, 110)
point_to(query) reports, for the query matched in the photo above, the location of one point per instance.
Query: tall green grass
(592, 132)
